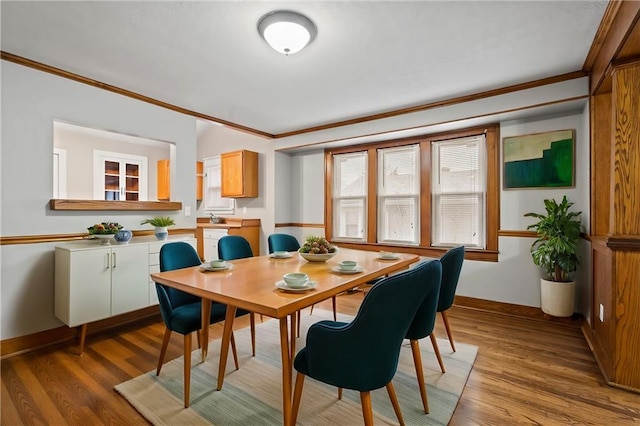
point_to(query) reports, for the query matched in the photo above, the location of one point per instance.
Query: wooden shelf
(57, 204)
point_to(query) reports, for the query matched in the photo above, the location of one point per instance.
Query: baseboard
(22, 344)
(520, 311)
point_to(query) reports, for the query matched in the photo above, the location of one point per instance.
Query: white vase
(557, 298)
(161, 233)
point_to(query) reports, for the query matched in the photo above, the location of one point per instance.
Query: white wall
(216, 139)
(31, 101)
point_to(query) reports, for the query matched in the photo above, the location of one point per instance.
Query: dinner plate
(284, 287)
(286, 256)
(394, 257)
(357, 270)
(205, 267)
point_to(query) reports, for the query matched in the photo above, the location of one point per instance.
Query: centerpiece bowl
(310, 257)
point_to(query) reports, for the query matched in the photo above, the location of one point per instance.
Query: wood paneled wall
(615, 205)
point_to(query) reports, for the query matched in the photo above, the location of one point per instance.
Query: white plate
(205, 267)
(357, 270)
(286, 256)
(283, 286)
(394, 257)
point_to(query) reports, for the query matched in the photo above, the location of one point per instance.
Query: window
(399, 194)
(213, 201)
(350, 196)
(425, 193)
(458, 189)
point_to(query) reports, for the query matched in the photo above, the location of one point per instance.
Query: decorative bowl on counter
(123, 236)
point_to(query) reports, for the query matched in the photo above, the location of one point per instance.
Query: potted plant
(161, 223)
(556, 250)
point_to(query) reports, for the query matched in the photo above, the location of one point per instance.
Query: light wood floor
(527, 372)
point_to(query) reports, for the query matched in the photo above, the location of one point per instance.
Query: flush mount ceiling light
(286, 31)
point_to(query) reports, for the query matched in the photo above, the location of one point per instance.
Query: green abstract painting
(541, 160)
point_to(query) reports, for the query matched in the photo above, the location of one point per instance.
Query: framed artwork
(540, 160)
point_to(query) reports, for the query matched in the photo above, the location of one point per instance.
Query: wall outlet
(187, 211)
(601, 314)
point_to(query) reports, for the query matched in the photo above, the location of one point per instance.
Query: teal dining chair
(231, 247)
(282, 242)
(363, 355)
(181, 312)
(451, 266)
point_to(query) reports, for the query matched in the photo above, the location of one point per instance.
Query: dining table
(255, 284)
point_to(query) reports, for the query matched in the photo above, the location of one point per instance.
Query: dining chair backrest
(425, 318)
(282, 242)
(173, 256)
(451, 266)
(232, 247)
(363, 355)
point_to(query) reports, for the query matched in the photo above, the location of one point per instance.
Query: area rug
(252, 395)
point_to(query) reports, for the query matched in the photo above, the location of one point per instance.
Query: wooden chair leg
(340, 393)
(394, 402)
(434, 342)
(335, 315)
(234, 351)
(417, 361)
(187, 368)
(163, 350)
(297, 393)
(367, 411)
(252, 320)
(445, 319)
(311, 311)
(298, 330)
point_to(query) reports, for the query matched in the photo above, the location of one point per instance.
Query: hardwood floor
(526, 372)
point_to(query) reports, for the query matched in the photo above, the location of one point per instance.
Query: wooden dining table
(250, 284)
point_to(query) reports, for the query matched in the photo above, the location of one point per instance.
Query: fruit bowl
(309, 257)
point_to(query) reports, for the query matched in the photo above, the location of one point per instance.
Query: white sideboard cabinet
(94, 282)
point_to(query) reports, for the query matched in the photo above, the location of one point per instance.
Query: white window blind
(350, 196)
(458, 191)
(399, 194)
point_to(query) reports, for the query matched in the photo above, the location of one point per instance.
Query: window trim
(492, 219)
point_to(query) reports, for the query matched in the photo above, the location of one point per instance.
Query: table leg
(294, 329)
(226, 338)
(286, 372)
(206, 313)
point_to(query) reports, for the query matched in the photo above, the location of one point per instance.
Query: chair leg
(367, 411)
(234, 351)
(394, 401)
(434, 342)
(339, 393)
(335, 315)
(163, 350)
(252, 320)
(298, 330)
(297, 393)
(311, 311)
(417, 361)
(187, 368)
(445, 319)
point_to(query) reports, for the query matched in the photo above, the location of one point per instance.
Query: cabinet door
(89, 286)
(129, 278)
(119, 177)
(164, 180)
(239, 174)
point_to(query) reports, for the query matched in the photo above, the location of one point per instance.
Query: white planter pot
(161, 233)
(557, 298)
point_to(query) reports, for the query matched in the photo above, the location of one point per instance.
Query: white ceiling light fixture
(286, 31)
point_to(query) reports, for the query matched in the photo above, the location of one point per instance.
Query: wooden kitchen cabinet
(164, 180)
(239, 171)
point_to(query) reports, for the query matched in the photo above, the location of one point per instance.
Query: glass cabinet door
(119, 177)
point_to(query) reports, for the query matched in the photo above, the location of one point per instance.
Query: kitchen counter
(247, 228)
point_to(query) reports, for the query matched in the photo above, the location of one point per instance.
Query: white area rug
(252, 395)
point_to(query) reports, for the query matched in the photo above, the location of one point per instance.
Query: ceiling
(368, 57)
